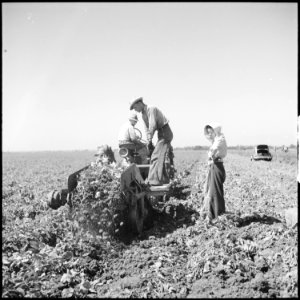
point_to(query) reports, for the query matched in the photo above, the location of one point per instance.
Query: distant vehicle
(261, 152)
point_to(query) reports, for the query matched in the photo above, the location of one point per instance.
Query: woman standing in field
(214, 204)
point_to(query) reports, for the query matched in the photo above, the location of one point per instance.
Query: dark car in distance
(262, 152)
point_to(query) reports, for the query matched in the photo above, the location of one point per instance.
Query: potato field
(248, 252)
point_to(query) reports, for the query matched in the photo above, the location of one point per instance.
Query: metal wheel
(139, 135)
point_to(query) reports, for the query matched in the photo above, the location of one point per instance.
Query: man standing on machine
(154, 121)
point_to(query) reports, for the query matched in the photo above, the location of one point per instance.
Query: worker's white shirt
(127, 133)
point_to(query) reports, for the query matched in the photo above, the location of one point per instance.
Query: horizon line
(177, 147)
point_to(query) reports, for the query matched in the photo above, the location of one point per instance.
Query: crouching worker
(214, 204)
(132, 149)
(105, 155)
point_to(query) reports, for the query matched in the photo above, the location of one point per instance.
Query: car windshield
(262, 151)
(262, 147)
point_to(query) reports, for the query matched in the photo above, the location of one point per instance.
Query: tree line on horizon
(237, 147)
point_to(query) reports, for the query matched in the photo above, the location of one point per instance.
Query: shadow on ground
(241, 221)
(162, 222)
(245, 221)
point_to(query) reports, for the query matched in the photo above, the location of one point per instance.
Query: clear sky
(69, 71)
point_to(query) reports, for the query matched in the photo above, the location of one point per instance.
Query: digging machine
(137, 192)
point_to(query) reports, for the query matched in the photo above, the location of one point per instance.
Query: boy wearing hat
(127, 133)
(155, 120)
(130, 140)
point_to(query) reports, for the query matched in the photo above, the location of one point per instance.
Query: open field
(248, 252)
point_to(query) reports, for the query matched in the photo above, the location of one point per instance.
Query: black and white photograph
(150, 149)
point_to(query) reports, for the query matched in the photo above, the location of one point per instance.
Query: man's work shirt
(127, 133)
(153, 119)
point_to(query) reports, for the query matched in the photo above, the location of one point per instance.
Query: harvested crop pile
(97, 202)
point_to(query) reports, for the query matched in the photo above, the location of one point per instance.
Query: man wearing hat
(129, 139)
(104, 155)
(155, 120)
